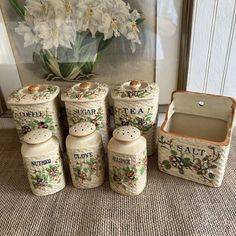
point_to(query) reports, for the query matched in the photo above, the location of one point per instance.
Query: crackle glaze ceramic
(87, 101)
(86, 155)
(42, 161)
(36, 106)
(127, 159)
(195, 138)
(136, 104)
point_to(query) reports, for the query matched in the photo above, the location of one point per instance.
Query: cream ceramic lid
(34, 94)
(82, 129)
(126, 133)
(37, 136)
(135, 90)
(85, 91)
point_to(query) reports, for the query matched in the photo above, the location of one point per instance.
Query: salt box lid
(135, 90)
(37, 136)
(82, 129)
(126, 133)
(34, 94)
(85, 91)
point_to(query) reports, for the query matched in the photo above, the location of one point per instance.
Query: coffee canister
(87, 101)
(36, 106)
(86, 156)
(136, 104)
(43, 163)
(127, 159)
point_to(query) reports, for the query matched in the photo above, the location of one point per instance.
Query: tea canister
(136, 104)
(34, 107)
(86, 156)
(42, 161)
(87, 101)
(127, 160)
(194, 140)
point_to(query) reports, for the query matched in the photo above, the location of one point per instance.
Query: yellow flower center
(44, 7)
(90, 13)
(134, 27)
(114, 24)
(55, 34)
(68, 7)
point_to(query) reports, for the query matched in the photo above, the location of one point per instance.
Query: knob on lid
(126, 133)
(34, 88)
(38, 136)
(82, 129)
(135, 84)
(85, 86)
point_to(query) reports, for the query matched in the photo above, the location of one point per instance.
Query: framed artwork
(159, 27)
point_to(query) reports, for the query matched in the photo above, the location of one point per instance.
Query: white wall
(213, 51)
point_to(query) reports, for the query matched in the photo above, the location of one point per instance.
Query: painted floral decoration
(144, 122)
(203, 167)
(45, 177)
(71, 36)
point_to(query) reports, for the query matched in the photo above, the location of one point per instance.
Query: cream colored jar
(127, 158)
(87, 101)
(36, 106)
(86, 156)
(136, 104)
(43, 163)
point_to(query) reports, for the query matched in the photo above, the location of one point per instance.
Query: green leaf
(211, 175)
(66, 68)
(173, 152)
(166, 164)
(213, 167)
(187, 162)
(18, 8)
(103, 44)
(139, 21)
(142, 170)
(181, 171)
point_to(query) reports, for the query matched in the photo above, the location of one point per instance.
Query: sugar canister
(127, 160)
(86, 156)
(87, 101)
(136, 104)
(36, 106)
(42, 161)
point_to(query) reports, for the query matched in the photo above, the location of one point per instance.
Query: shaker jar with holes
(127, 160)
(37, 107)
(42, 161)
(86, 155)
(87, 101)
(136, 104)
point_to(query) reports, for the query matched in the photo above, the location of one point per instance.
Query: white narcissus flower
(89, 16)
(29, 37)
(53, 35)
(132, 33)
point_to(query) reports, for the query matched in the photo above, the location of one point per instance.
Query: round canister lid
(38, 136)
(82, 129)
(126, 133)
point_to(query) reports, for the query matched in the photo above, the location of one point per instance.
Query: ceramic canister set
(190, 155)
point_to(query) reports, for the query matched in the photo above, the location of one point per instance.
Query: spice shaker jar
(86, 156)
(87, 101)
(43, 163)
(127, 160)
(36, 106)
(136, 104)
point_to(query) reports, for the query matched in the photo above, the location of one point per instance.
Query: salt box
(194, 139)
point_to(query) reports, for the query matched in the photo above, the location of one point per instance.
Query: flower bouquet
(71, 35)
